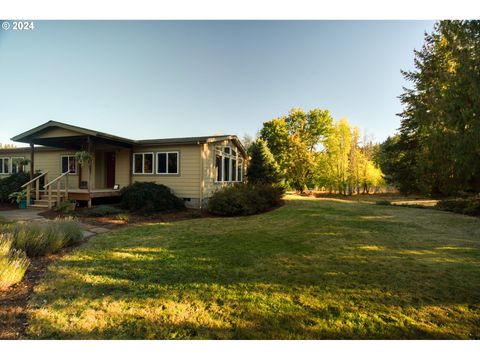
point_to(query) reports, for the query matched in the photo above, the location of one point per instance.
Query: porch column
(32, 160)
(130, 170)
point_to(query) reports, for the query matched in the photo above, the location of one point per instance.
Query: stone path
(33, 215)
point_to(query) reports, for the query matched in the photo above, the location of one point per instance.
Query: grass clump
(13, 263)
(43, 239)
(102, 210)
(148, 197)
(245, 199)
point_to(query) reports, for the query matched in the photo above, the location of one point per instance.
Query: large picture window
(143, 163)
(167, 162)
(4, 165)
(68, 163)
(228, 165)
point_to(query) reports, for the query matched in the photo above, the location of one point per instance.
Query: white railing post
(49, 189)
(66, 187)
(37, 189)
(58, 193)
(28, 194)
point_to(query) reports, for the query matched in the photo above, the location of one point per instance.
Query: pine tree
(262, 167)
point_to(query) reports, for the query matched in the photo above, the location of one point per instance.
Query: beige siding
(48, 161)
(209, 174)
(187, 183)
(122, 167)
(57, 132)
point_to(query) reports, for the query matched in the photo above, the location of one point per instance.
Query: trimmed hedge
(12, 184)
(469, 206)
(148, 197)
(245, 199)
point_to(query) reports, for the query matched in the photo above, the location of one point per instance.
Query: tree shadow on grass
(365, 281)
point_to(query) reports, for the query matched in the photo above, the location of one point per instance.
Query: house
(193, 167)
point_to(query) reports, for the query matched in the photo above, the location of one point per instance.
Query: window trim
(76, 164)
(166, 159)
(143, 163)
(9, 170)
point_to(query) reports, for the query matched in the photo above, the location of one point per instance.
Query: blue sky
(156, 79)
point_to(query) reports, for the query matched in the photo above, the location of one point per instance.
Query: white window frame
(166, 165)
(11, 163)
(76, 164)
(219, 150)
(9, 170)
(143, 163)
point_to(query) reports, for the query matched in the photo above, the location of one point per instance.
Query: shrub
(469, 206)
(65, 206)
(122, 217)
(245, 199)
(102, 210)
(147, 197)
(43, 239)
(13, 263)
(69, 230)
(11, 184)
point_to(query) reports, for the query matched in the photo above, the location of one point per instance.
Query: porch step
(39, 206)
(42, 202)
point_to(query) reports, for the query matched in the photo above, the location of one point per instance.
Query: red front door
(110, 169)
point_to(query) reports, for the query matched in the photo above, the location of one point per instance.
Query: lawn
(313, 269)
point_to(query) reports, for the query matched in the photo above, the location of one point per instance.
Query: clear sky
(156, 79)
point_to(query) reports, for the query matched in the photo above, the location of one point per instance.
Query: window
(68, 163)
(143, 163)
(240, 170)
(16, 166)
(4, 165)
(167, 162)
(218, 166)
(228, 164)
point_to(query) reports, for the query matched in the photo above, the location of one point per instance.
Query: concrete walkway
(22, 215)
(27, 215)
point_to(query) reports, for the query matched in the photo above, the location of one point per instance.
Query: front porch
(108, 166)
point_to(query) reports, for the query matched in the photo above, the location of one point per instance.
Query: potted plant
(20, 197)
(84, 158)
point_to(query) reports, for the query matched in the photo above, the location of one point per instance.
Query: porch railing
(48, 188)
(35, 180)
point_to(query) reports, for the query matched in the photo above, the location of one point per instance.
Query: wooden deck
(86, 195)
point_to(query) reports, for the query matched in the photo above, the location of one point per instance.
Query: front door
(110, 169)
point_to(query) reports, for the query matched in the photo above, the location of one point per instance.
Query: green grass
(313, 269)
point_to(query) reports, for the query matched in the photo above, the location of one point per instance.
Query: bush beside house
(12, 184)
(148, 197)
(245, 199)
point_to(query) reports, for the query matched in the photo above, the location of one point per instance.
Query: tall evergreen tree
(262, 167)
(439, 142)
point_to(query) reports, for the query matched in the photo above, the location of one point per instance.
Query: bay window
(228, 165)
